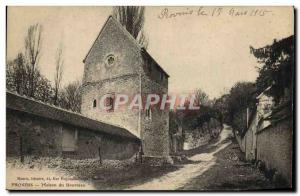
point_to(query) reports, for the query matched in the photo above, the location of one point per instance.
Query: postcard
(155, 98)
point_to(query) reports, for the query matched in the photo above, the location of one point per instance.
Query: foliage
(239, 121)
(43, 88)
(277, 67)
(58, 73)
(221, 106)
(33, 44)
(233, 106)
(22, 73)
(19, 79)
(70, 97)
(195, 120)
(242, 95)
(132, 18)
(16, 73)
(201, 97)
(24, 77)
(277, 70)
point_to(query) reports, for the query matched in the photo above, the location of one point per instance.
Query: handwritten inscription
(166, 13)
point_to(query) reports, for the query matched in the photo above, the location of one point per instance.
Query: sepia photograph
(150, 98)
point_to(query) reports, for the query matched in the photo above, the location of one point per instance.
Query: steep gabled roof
(264, 92)
(129, 36)
(113, 20)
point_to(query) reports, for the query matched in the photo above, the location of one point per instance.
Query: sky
(199, 47)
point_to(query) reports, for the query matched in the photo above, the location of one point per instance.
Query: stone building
(34, 128)
(117, 64)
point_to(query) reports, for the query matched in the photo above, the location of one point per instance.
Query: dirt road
(219, 165)
(199, 164)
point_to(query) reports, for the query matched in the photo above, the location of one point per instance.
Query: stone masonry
(116, 64)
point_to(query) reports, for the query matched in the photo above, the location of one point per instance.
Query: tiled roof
(38, 108)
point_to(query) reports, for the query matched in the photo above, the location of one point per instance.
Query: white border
(4, 3)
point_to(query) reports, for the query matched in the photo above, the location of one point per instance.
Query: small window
(161, 75)
(149, 113)
(109, 102)
(94, 103)
(110, 61)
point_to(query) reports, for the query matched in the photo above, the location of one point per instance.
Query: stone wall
(272, 145)
(120, 78)
(128, 85)
(40, 136)
(43, 137)
(155, 130)
(112, 40)
(275, 147)
(251, 137)
(248, 140)
(241, 142)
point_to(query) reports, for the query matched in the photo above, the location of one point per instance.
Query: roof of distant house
(264, 92)
(28, 105)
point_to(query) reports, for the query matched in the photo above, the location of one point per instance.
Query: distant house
(257, 120)
(115, 64)
(269, 137)
(265, 103)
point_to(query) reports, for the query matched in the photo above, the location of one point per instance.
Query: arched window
(94, 103)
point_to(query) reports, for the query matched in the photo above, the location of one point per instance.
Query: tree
(277, 68)
(132, 18)
(16, 74)
(43, 89)
(241, 96)
(71, 97)
(18, 79)
(58, 73)
(201, 97)
(33, 43)
(23, 74)
(221, 105)
(142, 39)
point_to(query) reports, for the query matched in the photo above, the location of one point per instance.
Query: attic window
(110, 60)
